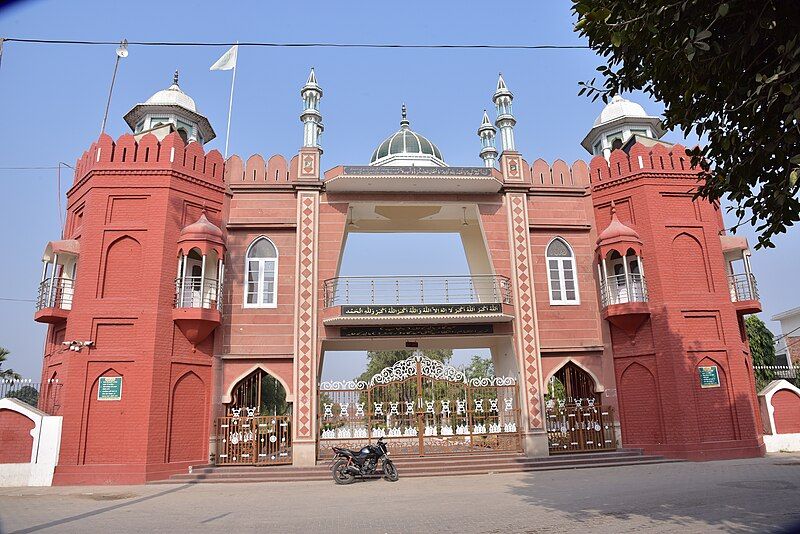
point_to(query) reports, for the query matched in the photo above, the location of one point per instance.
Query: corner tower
(141, 264)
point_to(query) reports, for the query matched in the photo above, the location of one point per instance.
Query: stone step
(267, 475)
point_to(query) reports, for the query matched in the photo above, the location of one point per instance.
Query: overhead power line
(300, 45)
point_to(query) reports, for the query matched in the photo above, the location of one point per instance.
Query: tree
(729, 69)
(762, 349)
(377, 360)
(27, 394)
(479, 367)
(6, 373)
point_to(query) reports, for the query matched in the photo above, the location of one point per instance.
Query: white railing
(622, 289)
(55, 293)
(742, 287)
(363, 290)
(196, 292)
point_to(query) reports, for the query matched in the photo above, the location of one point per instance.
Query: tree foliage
(377, 360)
(727, 69)
(762, 349)
(27, 394)
(479, 367)
(6, 373)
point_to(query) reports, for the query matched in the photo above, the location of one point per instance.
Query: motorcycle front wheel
(390, 471)
(340, 474)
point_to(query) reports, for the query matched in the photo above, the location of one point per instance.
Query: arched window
(261, 289)
(561, 278)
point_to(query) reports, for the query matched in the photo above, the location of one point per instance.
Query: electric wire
(298, 45)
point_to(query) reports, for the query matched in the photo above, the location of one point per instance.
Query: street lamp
(122, 51)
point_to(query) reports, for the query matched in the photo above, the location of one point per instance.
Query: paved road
(733, 496)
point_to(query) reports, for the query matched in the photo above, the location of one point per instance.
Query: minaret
(311, 117)
(505, 117)
(487, 133)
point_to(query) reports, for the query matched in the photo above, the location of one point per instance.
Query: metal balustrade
(55, 293)
(622, 289)
(363, 290)
(742, 287)
(196, 292)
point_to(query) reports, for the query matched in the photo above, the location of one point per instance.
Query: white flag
(228, 59)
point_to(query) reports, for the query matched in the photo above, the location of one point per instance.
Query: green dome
(406, 147)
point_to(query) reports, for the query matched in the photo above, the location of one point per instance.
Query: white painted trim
(46, 445)
(765, 403)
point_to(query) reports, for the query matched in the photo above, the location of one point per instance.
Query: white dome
(173, 96)
(618, 108)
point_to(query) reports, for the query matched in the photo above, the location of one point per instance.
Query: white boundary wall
(46, 435)
(776, 442)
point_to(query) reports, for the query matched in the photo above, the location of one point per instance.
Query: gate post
(526, 335)
(306, 433)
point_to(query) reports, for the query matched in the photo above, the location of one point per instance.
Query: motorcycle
(348, 464)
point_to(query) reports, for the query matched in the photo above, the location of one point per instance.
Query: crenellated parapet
(559, 174)
(149, 154)
(641, 160)
(256, 172)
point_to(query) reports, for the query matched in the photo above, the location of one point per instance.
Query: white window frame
(261, 264)
(563, 301)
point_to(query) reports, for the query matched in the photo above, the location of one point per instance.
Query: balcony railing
(55, 293)
(622, 289)
(363, 290)
(742, 287)
(196, 292)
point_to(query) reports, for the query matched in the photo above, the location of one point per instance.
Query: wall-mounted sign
(709, 376)
(421, 309)
(109, 388)
(416, 330)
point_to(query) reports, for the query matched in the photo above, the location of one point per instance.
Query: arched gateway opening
(256, 429)
(577, 421)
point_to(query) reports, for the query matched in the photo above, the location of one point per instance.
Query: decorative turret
(168, 111)
(617, 123)
(623, 290)
(198, 287)
(311, 117)
(487, 134)
(505, 116)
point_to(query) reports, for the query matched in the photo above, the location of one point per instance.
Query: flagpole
(230, 102)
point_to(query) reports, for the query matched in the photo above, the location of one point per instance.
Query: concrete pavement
(733, 496)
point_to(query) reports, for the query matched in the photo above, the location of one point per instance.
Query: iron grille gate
(579, 426)
(253, 440)
(421, 407)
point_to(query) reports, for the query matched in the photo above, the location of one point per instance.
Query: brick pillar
(306, 300)
(526, 339)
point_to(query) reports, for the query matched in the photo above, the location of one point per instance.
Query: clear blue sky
(52, 100)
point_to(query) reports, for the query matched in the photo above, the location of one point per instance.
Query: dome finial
(404, 116)
(613, 209)
(175, 78)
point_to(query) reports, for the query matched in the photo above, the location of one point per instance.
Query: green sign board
(109, 388)
(709, 376)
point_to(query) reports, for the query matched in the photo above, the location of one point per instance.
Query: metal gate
(250, 439)
(581, 426)
(421, 407)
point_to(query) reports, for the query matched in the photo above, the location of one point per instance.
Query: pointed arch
(187, 422)
(227, 397)
(123, 263)
(261, 274)
(598, 386)
(562, 276)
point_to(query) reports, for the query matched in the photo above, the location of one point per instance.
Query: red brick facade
(131, 200)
